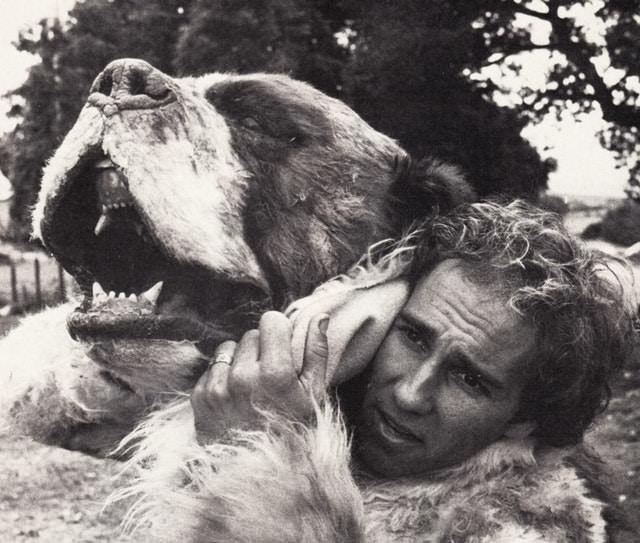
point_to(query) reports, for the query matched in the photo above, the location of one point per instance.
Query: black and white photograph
(320, 271)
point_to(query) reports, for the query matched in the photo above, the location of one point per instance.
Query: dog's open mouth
(133, 287)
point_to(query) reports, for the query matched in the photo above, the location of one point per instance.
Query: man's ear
(426, 187)
(520, 430)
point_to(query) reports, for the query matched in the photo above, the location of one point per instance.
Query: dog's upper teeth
(111, 188)
(153, 293)
(104, 163)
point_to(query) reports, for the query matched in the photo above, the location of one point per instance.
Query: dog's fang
(103, 222)
(98, 290)
(153, 293)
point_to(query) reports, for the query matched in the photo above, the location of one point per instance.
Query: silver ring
(222, 358)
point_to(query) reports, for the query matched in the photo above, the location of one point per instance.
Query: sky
(584, 167)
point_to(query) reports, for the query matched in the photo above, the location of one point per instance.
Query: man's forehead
(448, 297)
(452, 281)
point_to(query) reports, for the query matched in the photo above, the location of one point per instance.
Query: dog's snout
(131, 84)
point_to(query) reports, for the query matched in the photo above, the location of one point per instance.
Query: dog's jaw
(187, 186)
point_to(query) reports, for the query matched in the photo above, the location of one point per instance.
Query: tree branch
(531, 12)
(621, 114)
(561, 34)
(517, 50)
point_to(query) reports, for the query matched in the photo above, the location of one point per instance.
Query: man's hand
(258, 372)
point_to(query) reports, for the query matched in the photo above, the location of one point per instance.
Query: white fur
(278, 485)
(49, 384)
(293, 482)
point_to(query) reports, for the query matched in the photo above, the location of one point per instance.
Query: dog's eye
(250, 122)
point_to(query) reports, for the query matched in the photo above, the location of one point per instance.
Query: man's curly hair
(585, 333)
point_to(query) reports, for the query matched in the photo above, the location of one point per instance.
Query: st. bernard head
(185, 207)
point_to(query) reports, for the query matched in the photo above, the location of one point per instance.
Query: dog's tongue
(112, 194)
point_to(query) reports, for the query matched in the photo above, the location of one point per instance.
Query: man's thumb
(316, 354)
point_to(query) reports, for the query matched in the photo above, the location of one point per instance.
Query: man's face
(447, 379)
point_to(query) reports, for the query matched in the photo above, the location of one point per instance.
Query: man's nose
(415, 392)
(131, 84)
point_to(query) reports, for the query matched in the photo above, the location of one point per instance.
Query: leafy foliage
(409, 68)
(622, 224)
(408, 79)
(553, 203)
(575, 81)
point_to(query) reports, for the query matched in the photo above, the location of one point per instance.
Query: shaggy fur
(250, 190)
(293, 482)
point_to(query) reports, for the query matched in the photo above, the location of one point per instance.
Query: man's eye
(470, 380)
(414, 337)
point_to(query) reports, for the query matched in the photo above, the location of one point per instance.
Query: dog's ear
(426, 187)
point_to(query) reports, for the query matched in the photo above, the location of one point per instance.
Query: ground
(51, 495)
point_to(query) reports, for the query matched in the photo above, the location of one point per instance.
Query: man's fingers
(275, 343)
(217, 383)
(243, 374)
(316, 354)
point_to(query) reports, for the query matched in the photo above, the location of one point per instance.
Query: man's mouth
(392, 431)
(133, 286)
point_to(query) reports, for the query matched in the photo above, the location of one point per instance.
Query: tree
(285, 36)
(586, 69)
(409, 77)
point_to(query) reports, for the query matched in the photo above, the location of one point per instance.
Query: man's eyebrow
(425, 331)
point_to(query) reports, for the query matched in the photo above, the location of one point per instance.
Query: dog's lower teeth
(150, 295)
(153, 293)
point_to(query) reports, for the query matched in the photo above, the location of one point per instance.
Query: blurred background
(538, 99)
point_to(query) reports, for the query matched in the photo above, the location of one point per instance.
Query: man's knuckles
(278, 378)
(243, 379)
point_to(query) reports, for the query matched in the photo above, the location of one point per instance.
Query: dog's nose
(131, 84)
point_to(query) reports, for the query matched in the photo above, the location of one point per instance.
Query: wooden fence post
(14, 283)
(25, 297)
(36, 271)
(62, 289)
